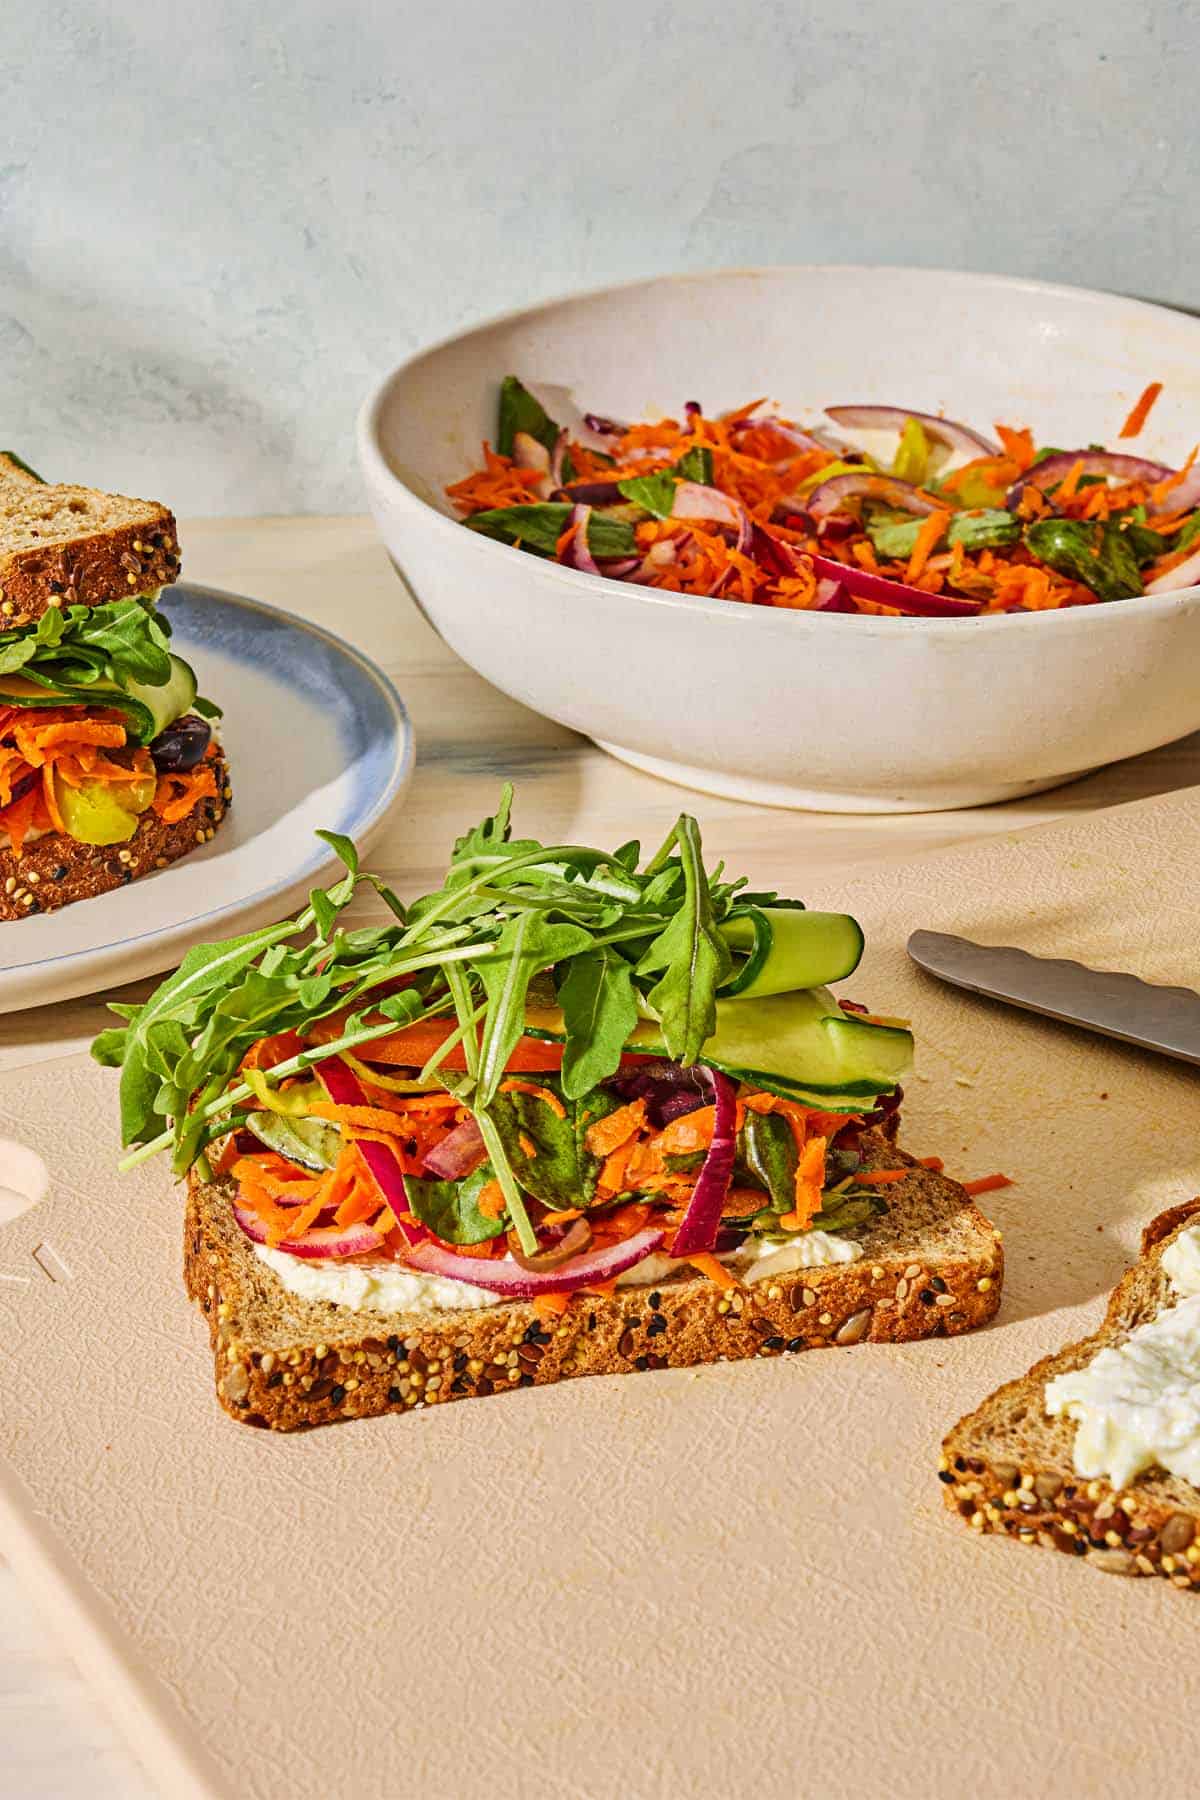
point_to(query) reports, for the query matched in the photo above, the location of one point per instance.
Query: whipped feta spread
(389, 1287)
(1137, 1404)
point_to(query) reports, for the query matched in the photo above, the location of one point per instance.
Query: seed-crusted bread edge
(1151, 1527)
(286, 1364)
(56, 870)
(93, 569)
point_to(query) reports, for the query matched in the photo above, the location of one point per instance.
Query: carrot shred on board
(1140, 412)
(987, 1184)
(541, 1093)
(932, 1162)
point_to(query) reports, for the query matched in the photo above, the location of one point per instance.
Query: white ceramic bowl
(840, 713)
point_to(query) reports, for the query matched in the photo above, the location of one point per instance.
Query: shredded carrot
(566, 1217)
(810, 1185)
(986, 1184)
(1141, 411)
(706, 1264)
(932, 1162)
(928, 539)
(549, 1307)
(613, 1175)
(491, 1202)
(541, 1093)
(1069, 486)
(880, 1177)
(527, 1144)
(615, 1128)
(178, 795)
(370, 1118)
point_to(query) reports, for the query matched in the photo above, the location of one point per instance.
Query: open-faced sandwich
(568, 1115)
(108, 765)
(1096, 1451)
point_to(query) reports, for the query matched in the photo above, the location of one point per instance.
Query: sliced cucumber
(802, 1038)
(148, 710)
(785, 949)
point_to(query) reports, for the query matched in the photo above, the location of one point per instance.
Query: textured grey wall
(220, 222)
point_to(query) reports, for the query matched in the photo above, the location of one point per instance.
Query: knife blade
(1166, 1019)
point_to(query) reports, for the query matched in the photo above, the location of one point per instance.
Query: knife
(1166, 1019)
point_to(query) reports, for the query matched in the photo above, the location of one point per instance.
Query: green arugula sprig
(615, 942)
(78, 651)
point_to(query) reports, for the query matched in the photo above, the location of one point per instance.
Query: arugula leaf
(538, 528)
(526, 944)
(694, 957)
(451, 1208)
(75, 646)
(562, 1172)
(599, 1011)
(1098, 555)
(520, 411)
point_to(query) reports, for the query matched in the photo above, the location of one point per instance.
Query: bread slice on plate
(931, 1265)
(1010, 1466)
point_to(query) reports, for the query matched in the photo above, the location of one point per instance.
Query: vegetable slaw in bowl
(746, 506)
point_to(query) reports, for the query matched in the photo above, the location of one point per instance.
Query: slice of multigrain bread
(73, 546)
(56, 869)
(1009, 1467)
(932, 1265)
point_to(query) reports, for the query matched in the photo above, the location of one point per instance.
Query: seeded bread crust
(95, 548)
(55, 870)
(1008, 1467)
(933, 1266)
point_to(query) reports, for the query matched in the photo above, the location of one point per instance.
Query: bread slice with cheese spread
(931, 1265)
(1010, 1466)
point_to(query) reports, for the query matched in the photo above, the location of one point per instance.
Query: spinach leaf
(694, 957)
(696, 464)
(1099, 556)
(600, 1011)
(562, 1171)
(768, 1149)
(451, 1208)
(979, 530)
(520, 411)
(656, 493)
(1145, 543)
(539, 527)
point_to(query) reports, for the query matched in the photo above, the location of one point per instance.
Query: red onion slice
(894, 593)
(830, 495)
(344, 1090)
(1184, 575)
(527, 453)
(509, 1278)
(832, 596)
(1113, 463)
(577, 554)
(702, 1220)
(459, 1154)
(775, 554)
(895, 418)
(693, 500)
(316, 1244)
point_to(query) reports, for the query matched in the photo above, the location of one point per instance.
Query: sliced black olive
(182, 745)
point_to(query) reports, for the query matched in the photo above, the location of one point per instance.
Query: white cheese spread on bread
(388, 1287)
(1137, 1404)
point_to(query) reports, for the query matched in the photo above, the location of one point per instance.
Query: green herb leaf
(539, 527)
(1099, 556)
(600, 1011)
(768, 1149)
(987, 528)
(696, 464)
(694, 957)
(451, 1208)
(656, 493)
(562, 1171)
(526, 944)
(520, 411)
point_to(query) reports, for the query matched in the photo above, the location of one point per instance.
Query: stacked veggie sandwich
(572, 1113)
(108, 765)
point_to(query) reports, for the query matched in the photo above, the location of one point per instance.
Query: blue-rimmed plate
(317, 737)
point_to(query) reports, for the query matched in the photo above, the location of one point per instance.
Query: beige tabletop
(53, 1738)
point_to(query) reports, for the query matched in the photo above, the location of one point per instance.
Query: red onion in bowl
(1113, 463)
(702, 1219)
(1184, 575)
(504, 1277)
(695, 501)
(527, 453)
(833, 597)
(316, 1244)
(894, 593)
(830, 495)
(895, 418)
(577, 554)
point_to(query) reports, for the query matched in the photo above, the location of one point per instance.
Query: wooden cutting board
(733, 1580)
